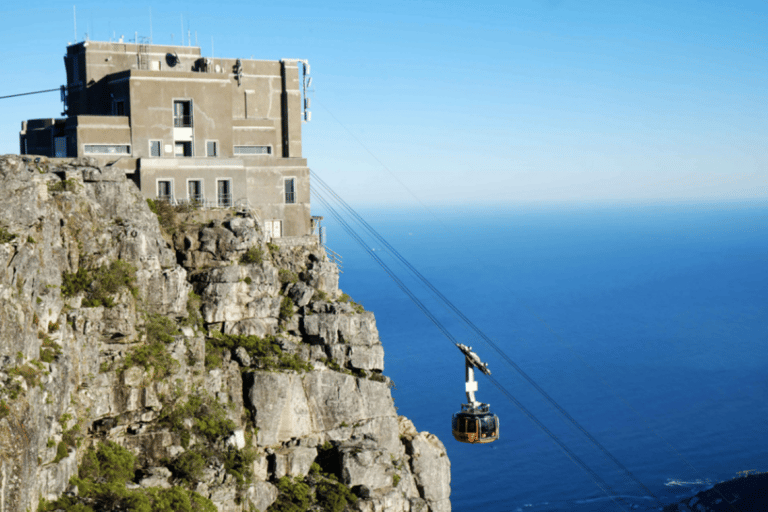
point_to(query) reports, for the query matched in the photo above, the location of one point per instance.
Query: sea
(646, 322)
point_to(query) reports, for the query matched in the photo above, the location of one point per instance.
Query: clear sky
(492, 102)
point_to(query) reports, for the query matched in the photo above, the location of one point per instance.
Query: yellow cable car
(475, 423)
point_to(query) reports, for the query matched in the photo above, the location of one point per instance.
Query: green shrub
(212, 355)
(5, 410)
(248, 280)
(209, 418)
(5, 235)
(286, 276)
(101, 483)
(265, 351)
(194, 318)
(153, 356)
(166, 214)
(293, 497)
(61, 452)
(273, 248)
(254, 255)
(286, 308)
(100, 284)
(189, 466)
(239, 464)
(160, 328)
(333, 496)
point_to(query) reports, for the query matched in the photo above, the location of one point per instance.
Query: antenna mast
(74, 13)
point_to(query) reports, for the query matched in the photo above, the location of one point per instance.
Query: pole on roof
(74, 13)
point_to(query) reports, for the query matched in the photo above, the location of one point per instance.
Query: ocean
(646, 322)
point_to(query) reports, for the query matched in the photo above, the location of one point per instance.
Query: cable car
(475, 423)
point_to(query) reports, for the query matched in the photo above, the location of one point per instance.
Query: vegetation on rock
(101, 482)
(266, 352)
(101, 284)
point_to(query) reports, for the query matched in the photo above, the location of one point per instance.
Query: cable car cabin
(475, 425)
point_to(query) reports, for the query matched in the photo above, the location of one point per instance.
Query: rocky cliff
(159, 359)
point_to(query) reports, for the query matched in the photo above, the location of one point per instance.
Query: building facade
(218, 132)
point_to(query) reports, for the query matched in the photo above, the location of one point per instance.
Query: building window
(253, 150)
(212, 148)
(107, 149)
(118, 108)
(224, 193)
(155, 148)
(182, 114)
(290, 190)
(165, 190)
(184, 148)
(195, 191)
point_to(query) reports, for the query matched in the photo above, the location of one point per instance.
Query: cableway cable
(28, 93)
(483, 336)
(604, 486)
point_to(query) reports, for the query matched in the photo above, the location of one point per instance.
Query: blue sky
(493, 102)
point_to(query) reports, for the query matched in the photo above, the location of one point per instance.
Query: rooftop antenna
(150, 25)
(74, 13)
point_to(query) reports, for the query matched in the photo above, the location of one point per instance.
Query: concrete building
(219, 132)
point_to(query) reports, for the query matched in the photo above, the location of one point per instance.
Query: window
(118, 108)
(107, 149)
(212, 148)
(195, 191)
(165, 190)
(253, 150)
(155, 148)
(182, 114)
(224, 194)
(184, 148)
(290, 190)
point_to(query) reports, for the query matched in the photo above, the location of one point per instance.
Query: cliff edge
(157, 358)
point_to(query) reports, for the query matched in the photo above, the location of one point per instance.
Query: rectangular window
(253, 150)
(290, 190)
(165, 190)
(182, 114)
(155, 148)
(224, 193)
(107, 149)
(195, 191)
(212, 148)
(119, 108)
(184, 148)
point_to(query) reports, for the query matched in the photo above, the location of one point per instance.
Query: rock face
(229, 368)
(745, 494)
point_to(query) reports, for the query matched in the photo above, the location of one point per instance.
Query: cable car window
(471, 426)
(488, 425)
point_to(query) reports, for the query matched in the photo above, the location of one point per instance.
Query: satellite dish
(171, 59)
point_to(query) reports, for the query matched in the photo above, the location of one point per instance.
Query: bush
(189, 466)
(101, 483)
(239, 464)
(265, 351)
(254, 255)
(153, 356)
(5, 235)
(209, 419)
(293, 497)
(286, 308)
(286, 276)
(99, 285)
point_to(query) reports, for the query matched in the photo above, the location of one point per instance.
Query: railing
(182, 121)
(225, 200)
(334, 257)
